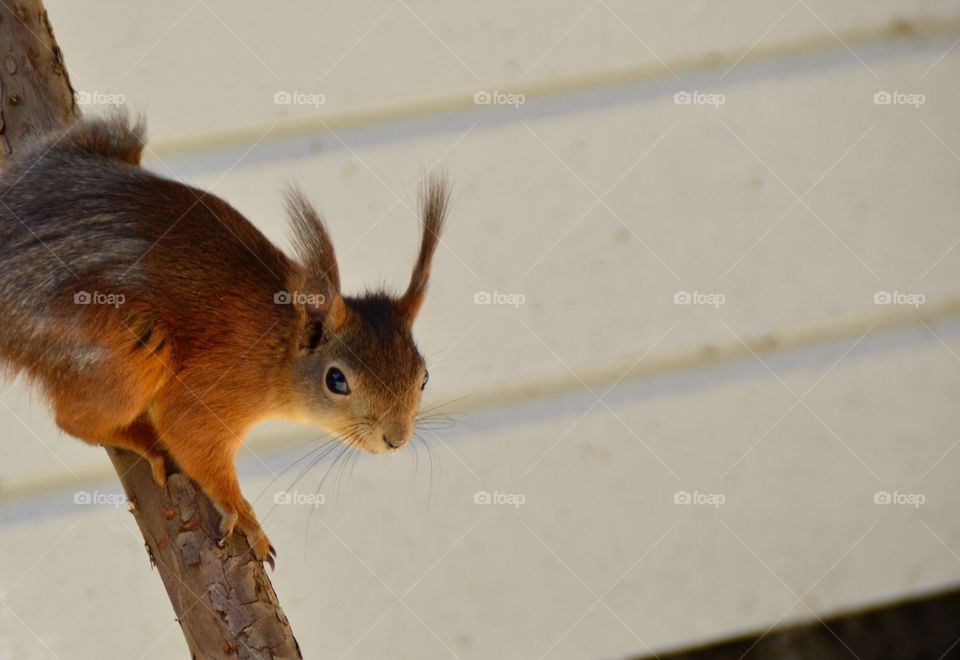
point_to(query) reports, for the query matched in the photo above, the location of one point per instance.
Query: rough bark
(222, 597)
(34, 86)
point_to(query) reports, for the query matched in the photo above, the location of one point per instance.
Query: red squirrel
(156, 318)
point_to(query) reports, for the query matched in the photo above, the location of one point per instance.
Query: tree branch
(222, 597)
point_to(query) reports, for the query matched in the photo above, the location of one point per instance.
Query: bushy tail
(112, 136)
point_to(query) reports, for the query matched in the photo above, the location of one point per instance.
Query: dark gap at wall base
(915, 629)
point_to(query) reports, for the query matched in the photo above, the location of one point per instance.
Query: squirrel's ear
(320, 296)
(434, 198)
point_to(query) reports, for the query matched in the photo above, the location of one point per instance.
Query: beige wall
(785, 193)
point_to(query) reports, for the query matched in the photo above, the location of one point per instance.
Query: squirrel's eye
(426, 379)
(337, 382)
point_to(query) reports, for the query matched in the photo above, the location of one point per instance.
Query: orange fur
(200, 343)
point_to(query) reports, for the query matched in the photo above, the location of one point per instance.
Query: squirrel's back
(82, 224)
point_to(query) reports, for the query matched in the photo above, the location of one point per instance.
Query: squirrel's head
(357, 372)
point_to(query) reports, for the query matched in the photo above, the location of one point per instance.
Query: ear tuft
(434, 200)
(314, 249)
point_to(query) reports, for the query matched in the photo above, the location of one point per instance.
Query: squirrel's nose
(394, 441)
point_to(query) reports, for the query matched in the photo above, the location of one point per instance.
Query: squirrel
(156, 318)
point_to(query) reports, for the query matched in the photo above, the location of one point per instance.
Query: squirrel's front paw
(262, 550)
(247, 523)
(228, 520)
(259, 543)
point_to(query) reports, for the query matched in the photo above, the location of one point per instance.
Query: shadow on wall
(917, 629)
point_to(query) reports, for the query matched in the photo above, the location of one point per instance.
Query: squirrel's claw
(272, 558)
